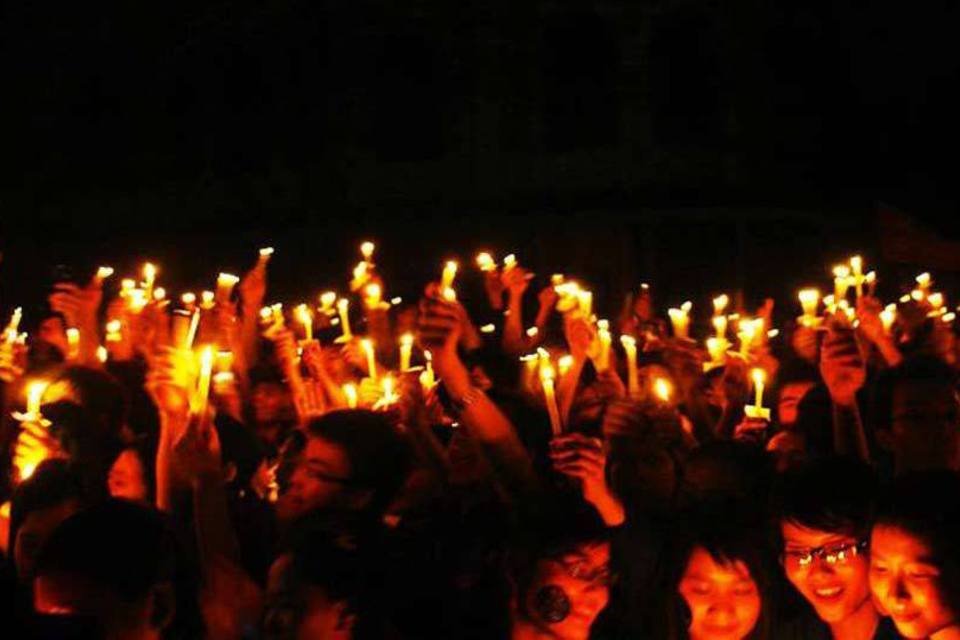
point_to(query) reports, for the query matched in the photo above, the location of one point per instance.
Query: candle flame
(486, 262)
(188, 298)
(662, 389)
(487, 328)
(266, 252)
(564, 364)
(758, 375)
(366, 249)
(104, 272)
(720, 304)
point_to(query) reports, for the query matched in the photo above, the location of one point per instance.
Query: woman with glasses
(824, 511)
(915, 556)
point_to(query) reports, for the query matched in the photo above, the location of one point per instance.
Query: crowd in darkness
(360, 466)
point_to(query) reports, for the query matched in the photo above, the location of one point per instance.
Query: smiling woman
(914, 562)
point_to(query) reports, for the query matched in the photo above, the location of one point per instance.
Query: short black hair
(116, 544)
(379, 453)
(834, 494)
(926, 504)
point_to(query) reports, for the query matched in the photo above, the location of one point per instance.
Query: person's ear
(162, 606)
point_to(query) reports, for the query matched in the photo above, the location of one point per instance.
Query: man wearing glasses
(825, 511)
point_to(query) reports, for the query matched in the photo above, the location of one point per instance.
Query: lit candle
(113, 330)
(603, 335)
(486, 262)
(856, 265)
(935, 300)
(192, 331)
(748, 331)
(159, 294)
(366, 250)
(446, 280)
(343, 309)
(720, 304)
(368, 349)
(509, 261)
(372, 295)
(207, 299)
(888, 316)
(303, 315)
(189, 301)
(717, 348)
(924, 281)
(546, 381)
(223, 377)
(103, 273)
(488, 328)
(585, 299)
(406, 350)
(757, 410)
(633, 380)
(428, 379)
(809, 300)
(662, 389)
(871, 280)
(264, 257)
(360, 276)
(327, 300)
(564, 364)
(102, 354)
(533, 332)
(681, 320)
(276, 310)
(350, 392)
(149, 278)
(13, 327)
(388, 395)
(35, 391)
(73, 343)
(225, 284)
(841, 282)
(720, 326)
(202, 392)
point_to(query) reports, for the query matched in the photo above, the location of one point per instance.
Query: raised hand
(842, 364)
(577, 456)
(439, 325)
(580, 335)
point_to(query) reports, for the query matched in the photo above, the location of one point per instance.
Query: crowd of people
(214, 466)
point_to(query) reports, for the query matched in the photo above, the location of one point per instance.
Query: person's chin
(911, 625)
(831, 604)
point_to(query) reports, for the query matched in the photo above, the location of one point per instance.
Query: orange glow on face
(723, 598)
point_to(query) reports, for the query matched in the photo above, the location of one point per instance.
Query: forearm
(513, 341)
(848, 435)
(215, 535)
(567, 389)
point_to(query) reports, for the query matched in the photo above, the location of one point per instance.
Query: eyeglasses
(831, 554)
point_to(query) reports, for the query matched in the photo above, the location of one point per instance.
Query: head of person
(350, 460)
(113, 564)
(720, 585)
(914, 555)
(918, 417)
(316, 587)
(40, 503)
(824, 510)
(270, 399)
(796, 379)
(131, 474)
(559, 592)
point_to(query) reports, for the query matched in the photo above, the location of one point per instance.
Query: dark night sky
(131, 126)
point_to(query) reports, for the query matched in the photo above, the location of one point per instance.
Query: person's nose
(721, 611)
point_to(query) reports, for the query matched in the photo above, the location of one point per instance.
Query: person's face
(270, 402)
(295, 611)
(320, 479)
(118, 619)
(790, 396)
(51, 331)
(567, 594)
(788, 449)
(127, 477)
(723, 599)
(905, 581)
(36, 528)
(926, 426)
(836, 590)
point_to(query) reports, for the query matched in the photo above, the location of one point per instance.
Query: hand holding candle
(633, 379)
(680, 319)
(303, 315)
(446, 281)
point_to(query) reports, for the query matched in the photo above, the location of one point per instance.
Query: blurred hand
(516, 281)
(170, 375)
(871, 327)
(577, 456)
(494, 287)
(439, 325)
(751, 430)
(580, 335)
(196, 451)
(547, 298)
(253, 288)
(842, 364)
(804, 343)
(34, 444)
(735, 384)
(78, 305)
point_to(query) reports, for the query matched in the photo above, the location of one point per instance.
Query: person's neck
(947, 633)
(859, 625)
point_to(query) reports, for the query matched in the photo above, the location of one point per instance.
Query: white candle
(372, 294)
(225, 284)
(809, 300)
(888, 316)
(342, 308)
(103, 273)
(264, 256)
(303, 315)
(207, 299)
(35, 391)
(202, 392)
(446, 280)
(366, 250)
(73, 343)
(841, 282)
(720, 304)
(350, 392)
(720, 326)
(564, 364)
(113, 330)
(546, 381)
(603, 335)
(428, 379)
(406, 350)
(368, 349)
(681, 320)
(757, 410)
(486, 262)
(633, 380)
(149, 278)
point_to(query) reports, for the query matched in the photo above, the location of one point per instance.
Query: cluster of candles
(210, 368)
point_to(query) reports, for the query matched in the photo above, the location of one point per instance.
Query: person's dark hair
(834, 494)
(927, 505)
(918, 369)
(126, 548)
(53, 483)
(378, 452)
(728, 536)
(796, 371)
